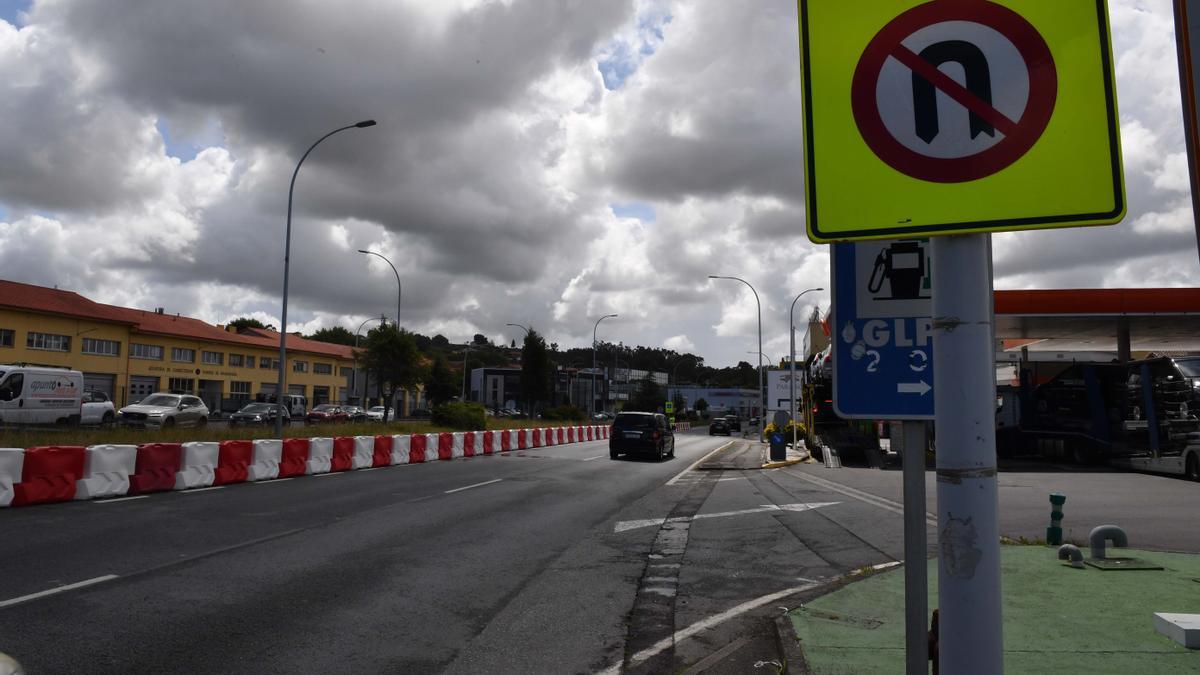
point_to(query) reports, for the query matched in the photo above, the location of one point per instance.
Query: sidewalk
(1056, 619)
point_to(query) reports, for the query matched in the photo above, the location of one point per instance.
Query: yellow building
(129, 353)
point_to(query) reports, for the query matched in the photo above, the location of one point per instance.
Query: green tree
(335, 335)
(391, 355)
(649, 397)
(480, 340)
(245, 322)
(440, 383)
(536, 371)
(701, 407)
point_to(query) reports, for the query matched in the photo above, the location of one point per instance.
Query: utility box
(1182, 628)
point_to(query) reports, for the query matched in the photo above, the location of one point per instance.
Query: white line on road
(711, 621)
(596, 457)
(215, 487)
(626, 525)
(60, 589)
(274, 480)
(468, 487)
(119, 499)
(697, 463)
(873, 500)
(327, 475)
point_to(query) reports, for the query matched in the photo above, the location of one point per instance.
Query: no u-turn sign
(958, 116)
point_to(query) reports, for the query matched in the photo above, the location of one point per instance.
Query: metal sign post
(916, 580)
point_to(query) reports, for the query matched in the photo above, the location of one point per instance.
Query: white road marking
(873, 500)
(711, 621)
(119, 499)
(327, 475)
(698, 462)
(274, 480)
(468, 487)
(192, 492)
(60, 589)
(626, 525)
(596, 457)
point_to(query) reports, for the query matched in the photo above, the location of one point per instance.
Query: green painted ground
(1056, 619)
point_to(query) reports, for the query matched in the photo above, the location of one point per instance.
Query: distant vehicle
(295, 404)
(719, 425)
(165, 410)
(257, 413)
(36, 395)
(735, 424)
(642, 433)
(355, 413)
(97, 409)
(326, 413)
(375, 413)
(602, 416)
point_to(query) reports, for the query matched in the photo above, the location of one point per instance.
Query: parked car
(355, 413)
(326, 413)
(642, 433)
(257, 413)
(97, 409)
(719, 425)
(375, 413)
(735, 424)
(40, 395)
(602, 416)
(296, 404)
(165, 410)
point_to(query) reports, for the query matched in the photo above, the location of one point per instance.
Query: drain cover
(1122, 564)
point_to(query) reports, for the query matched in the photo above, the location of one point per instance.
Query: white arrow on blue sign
(882, 331)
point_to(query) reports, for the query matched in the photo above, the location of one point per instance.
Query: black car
(257, 413)
(735, 424)
(719, 425)
(641, 433)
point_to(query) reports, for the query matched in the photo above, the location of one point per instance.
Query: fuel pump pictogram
(903, 266)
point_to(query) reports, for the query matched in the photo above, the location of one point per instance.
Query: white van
(36, 395)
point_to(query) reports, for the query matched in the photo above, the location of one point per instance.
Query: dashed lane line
(58, 589)
(468, 487)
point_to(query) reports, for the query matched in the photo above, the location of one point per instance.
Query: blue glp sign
(882, 331)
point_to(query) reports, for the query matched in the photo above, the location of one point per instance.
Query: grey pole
(916, 581)
(792, 363)
(592, 378)
(762, 396)
(517, 325)
(399, 289)
(970, 638)
(674, 372)
(287, 256)
(357, 334)
(466, 353)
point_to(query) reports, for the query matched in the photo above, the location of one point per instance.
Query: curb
(789, 646)
(780, 465)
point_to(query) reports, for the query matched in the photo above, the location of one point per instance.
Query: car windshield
(634, 422)
(161, 400)
(325, 407)
(1189, 367)
(257, 408)
(377, 409)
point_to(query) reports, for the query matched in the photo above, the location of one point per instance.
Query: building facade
(130, 353)
(721, 400)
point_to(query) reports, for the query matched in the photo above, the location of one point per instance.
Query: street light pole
(398, 287)
(674, 378)
(357, 334)
(287, 256)
(592, 375)
(466, 353)
(762, 397)
(792, 364)
(524, 328)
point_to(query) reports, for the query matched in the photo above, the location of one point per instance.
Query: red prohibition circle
(1043, 91)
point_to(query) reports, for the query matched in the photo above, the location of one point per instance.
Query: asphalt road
(554, 560)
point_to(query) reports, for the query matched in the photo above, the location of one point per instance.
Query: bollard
(1054, 532)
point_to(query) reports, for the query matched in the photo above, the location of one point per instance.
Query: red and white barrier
(197, 465)
(11, 461)
(294, 457)
(381, 454)
(106, 470)
(320, 456)
(364, 452)
(343, 454)
(265, 465)
(233, 462)
(400, 449)
(48, 474)
(458, 448)
(157, 464)
(470, 443)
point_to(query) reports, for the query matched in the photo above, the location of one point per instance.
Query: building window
(274, 363)
(249, 361)
(212, 358)
(235, 360)
(48, 341)
(183, 355)
(101, 347)
(299, 366)
(322, 369)
(180, 385)
(153, 352)
(7, 337)
(239, 390)
(346, 372)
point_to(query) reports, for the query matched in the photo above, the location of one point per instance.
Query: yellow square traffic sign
(954, 116)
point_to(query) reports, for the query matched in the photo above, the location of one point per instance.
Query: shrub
(564, 413)
(459, 415)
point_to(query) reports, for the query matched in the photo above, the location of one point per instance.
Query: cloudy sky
(539, 162)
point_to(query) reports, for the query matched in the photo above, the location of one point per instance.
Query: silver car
(165, 410)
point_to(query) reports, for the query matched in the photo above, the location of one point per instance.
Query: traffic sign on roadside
(952, 116)
(882, 330)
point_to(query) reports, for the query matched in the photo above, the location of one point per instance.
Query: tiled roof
(68, 303)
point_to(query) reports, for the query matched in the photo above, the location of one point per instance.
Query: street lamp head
(366, 123)
(362, 251)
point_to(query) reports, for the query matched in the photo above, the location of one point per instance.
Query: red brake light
(657, 435)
